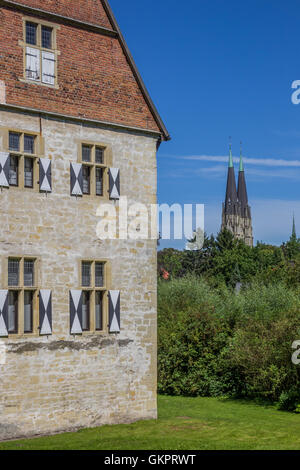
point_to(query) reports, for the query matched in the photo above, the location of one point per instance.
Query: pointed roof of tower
(231, 194)
(242, 188)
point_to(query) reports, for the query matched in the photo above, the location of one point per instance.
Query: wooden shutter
(4, 169)
(45, 304)
(45, 175)
(3, 313)
(114, 183)
(76, 312)
(76, 179)
(114, 311)
(48, 68)
(32, 63)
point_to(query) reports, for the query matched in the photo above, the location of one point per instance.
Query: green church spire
(241, 159)
(231, 193)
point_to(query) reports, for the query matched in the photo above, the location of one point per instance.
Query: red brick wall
(94, 78)
(90, 11)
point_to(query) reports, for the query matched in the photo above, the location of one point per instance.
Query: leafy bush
(289, 401)
(214, 342)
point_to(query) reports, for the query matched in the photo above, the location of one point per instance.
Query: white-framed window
(40, 54)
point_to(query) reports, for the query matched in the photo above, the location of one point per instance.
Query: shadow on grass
(259, 402)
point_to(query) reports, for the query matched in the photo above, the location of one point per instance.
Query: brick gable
(96, 78)
(90, 11)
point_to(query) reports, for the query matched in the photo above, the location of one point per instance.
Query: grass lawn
(186, 424)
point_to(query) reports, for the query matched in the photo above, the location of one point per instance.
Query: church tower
(236, 215)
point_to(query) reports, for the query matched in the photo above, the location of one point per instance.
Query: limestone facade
(62, 381)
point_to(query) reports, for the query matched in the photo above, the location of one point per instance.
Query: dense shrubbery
(213, 341)
(224, 260)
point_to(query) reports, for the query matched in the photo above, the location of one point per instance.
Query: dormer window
(40, 53)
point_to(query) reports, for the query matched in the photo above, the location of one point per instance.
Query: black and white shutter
(48, 68)
(45, 302)
(45, 175)
(3, 313)
(33, 63)
(114, 183)
(76, 179)
(114, 311)
(76, 312)
(4, 169)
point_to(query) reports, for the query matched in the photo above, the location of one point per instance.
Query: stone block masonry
(63, 382)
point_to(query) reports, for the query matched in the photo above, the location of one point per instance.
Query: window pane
(28, 143)
(99, 155)
(13, 170)
(14, 141)
(99, 181)
(86, 274)
(13, 272)
(28, 173)
(86, 153)
(28, 273)
(28, 309)
(46, 37)
(13, 311)
(86, 179)
(99, 274)
(31, 33)
(86, 311)
(99, 311)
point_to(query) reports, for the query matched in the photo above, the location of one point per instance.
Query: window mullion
(21, 142)
(93, 275)
(41, 66)
(93, 180)
(39, 36)
(92, 312)
(39, 44)
(21, 278)
(22, 172)
(21, 312)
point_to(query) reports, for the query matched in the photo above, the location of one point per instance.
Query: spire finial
(230, 154)
(241, 157)
(294, 234)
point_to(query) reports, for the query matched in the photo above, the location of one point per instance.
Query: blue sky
(217, 69)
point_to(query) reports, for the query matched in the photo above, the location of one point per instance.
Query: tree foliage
(225, 260)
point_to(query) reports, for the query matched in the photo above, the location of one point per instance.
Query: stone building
(77, 129)
(236, 212)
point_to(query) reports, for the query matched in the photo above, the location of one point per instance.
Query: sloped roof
(100, 17)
